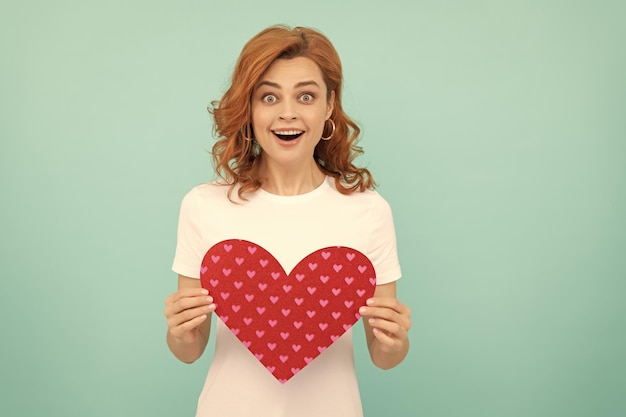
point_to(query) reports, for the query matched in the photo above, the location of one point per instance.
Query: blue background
(496, 130)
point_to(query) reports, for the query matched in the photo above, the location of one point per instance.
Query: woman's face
(289, 109)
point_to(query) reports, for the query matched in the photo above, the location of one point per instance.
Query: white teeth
(288, 132)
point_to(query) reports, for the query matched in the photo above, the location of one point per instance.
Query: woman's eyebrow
(277, 86)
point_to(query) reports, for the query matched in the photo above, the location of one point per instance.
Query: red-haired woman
(288, 183)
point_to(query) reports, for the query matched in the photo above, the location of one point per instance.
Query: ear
(330, 105)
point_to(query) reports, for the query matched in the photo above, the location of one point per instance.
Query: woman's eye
(269, 98)
(306, 97)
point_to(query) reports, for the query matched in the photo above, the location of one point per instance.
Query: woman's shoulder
(212, 191)
(368, 195)
(209, 187)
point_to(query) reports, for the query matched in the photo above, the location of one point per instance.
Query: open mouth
(288, 135)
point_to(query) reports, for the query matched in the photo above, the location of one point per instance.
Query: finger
(391, 328)
(189, 292)
(188, 326)
(175, 307)
(191, 302)
(389, 302)
(387, 342)
(185, 316)
(183, 293)
(386, 314)
(380, 312)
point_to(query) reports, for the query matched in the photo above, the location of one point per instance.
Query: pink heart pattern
(286, 320)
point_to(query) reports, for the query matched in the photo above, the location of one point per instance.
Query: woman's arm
(387, 322)
(188, 313)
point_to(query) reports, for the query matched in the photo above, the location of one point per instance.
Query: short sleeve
(189, 243)
(382, 247)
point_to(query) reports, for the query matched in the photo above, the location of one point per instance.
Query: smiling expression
(290, 105)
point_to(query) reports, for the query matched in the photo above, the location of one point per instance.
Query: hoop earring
(247, 134)
(331, 133)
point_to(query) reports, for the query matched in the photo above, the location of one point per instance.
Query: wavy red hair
(237, 159)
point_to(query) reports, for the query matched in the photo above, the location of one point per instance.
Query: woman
(284, 154)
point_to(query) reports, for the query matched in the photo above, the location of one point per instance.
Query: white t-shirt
(290, 228)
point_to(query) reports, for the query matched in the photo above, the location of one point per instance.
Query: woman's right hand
(186, 310)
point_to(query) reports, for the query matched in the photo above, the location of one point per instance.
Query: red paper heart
(286, 320)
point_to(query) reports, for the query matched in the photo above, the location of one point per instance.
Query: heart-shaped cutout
(286, 320)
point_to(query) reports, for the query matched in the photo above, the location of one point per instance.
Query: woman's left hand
(390, 321)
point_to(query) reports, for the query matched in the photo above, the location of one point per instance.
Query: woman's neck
(287, 181)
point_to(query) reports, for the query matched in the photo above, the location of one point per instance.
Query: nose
(287, 110)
